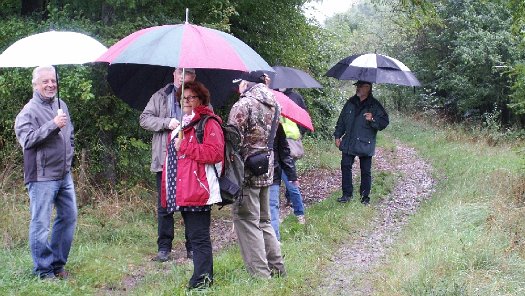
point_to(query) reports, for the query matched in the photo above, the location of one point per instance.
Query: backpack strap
(274, 128)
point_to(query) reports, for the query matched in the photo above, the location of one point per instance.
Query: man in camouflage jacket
(253, 115)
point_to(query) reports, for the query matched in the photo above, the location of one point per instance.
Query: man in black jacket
(355, 135)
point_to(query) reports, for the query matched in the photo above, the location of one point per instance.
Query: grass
(116, 234)
(466, 240)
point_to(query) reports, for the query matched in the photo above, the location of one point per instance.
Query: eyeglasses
(191, 97)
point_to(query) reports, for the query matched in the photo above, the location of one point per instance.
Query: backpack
(232, 180)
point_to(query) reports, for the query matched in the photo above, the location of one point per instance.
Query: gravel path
(349, 271)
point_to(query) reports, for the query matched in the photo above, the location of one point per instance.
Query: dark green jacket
(358, 136)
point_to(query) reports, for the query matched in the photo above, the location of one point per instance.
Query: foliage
(462, 52)
(113, 149)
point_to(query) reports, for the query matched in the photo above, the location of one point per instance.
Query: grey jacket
(48, 150)
(156, 118)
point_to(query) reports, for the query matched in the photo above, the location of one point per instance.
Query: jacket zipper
(200, 182)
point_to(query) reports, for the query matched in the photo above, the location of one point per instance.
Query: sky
(327, 8)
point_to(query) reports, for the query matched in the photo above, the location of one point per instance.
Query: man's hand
(368, 116)
(337, 142)
(173, 124)
(60, 120)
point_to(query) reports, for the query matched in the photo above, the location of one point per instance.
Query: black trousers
(165, 224)
(365, 164)
(198, 226)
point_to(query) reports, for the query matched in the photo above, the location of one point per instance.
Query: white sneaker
(301, 219)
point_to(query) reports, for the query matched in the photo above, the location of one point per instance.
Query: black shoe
(365, 200)
(162, 256)
(201, 286)
(48, 277)
(189, 254)
(344, 199)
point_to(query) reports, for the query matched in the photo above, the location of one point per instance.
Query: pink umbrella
(292, 111)
(143, 62)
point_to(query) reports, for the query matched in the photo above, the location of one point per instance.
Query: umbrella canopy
(292, 111)
(375, 68)
(52, 48)
(143, 61)
(288, 77)
(134, 83)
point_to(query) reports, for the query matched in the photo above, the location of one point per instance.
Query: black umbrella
(375, 68)
(288, 77)
(135, 84)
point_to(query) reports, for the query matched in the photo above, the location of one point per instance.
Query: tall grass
(469, 238)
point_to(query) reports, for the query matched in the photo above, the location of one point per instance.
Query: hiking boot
(301, 220)
(189, 254)
(365, 200)
(162, 256)
(276, 273)
(48, 277)
(344, 199)
(62, 275)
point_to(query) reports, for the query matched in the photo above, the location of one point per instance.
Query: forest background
(467, 54)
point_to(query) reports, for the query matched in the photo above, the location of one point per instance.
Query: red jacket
(197, 183)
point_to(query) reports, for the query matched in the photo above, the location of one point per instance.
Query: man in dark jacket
(355, 135)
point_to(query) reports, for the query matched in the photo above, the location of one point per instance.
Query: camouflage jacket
(253, 115)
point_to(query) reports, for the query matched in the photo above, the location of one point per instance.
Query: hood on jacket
(261, 93)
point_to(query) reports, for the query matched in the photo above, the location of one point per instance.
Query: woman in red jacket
(197, 186)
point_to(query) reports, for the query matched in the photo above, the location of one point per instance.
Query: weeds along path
(353, 265)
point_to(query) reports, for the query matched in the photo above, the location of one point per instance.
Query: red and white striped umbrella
(375, 68)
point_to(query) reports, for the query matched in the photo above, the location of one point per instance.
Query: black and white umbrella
(375, 68)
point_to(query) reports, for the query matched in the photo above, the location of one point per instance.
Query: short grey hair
(38, 70)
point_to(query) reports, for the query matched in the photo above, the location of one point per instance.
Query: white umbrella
(52, 48)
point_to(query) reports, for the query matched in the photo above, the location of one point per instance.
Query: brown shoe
(63, 275)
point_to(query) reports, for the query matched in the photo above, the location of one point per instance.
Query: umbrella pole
(181, 103)
(58, 91)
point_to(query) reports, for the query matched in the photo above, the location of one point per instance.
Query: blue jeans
(365, 164)
(295, 195)
(50, 256)
(274, 209)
